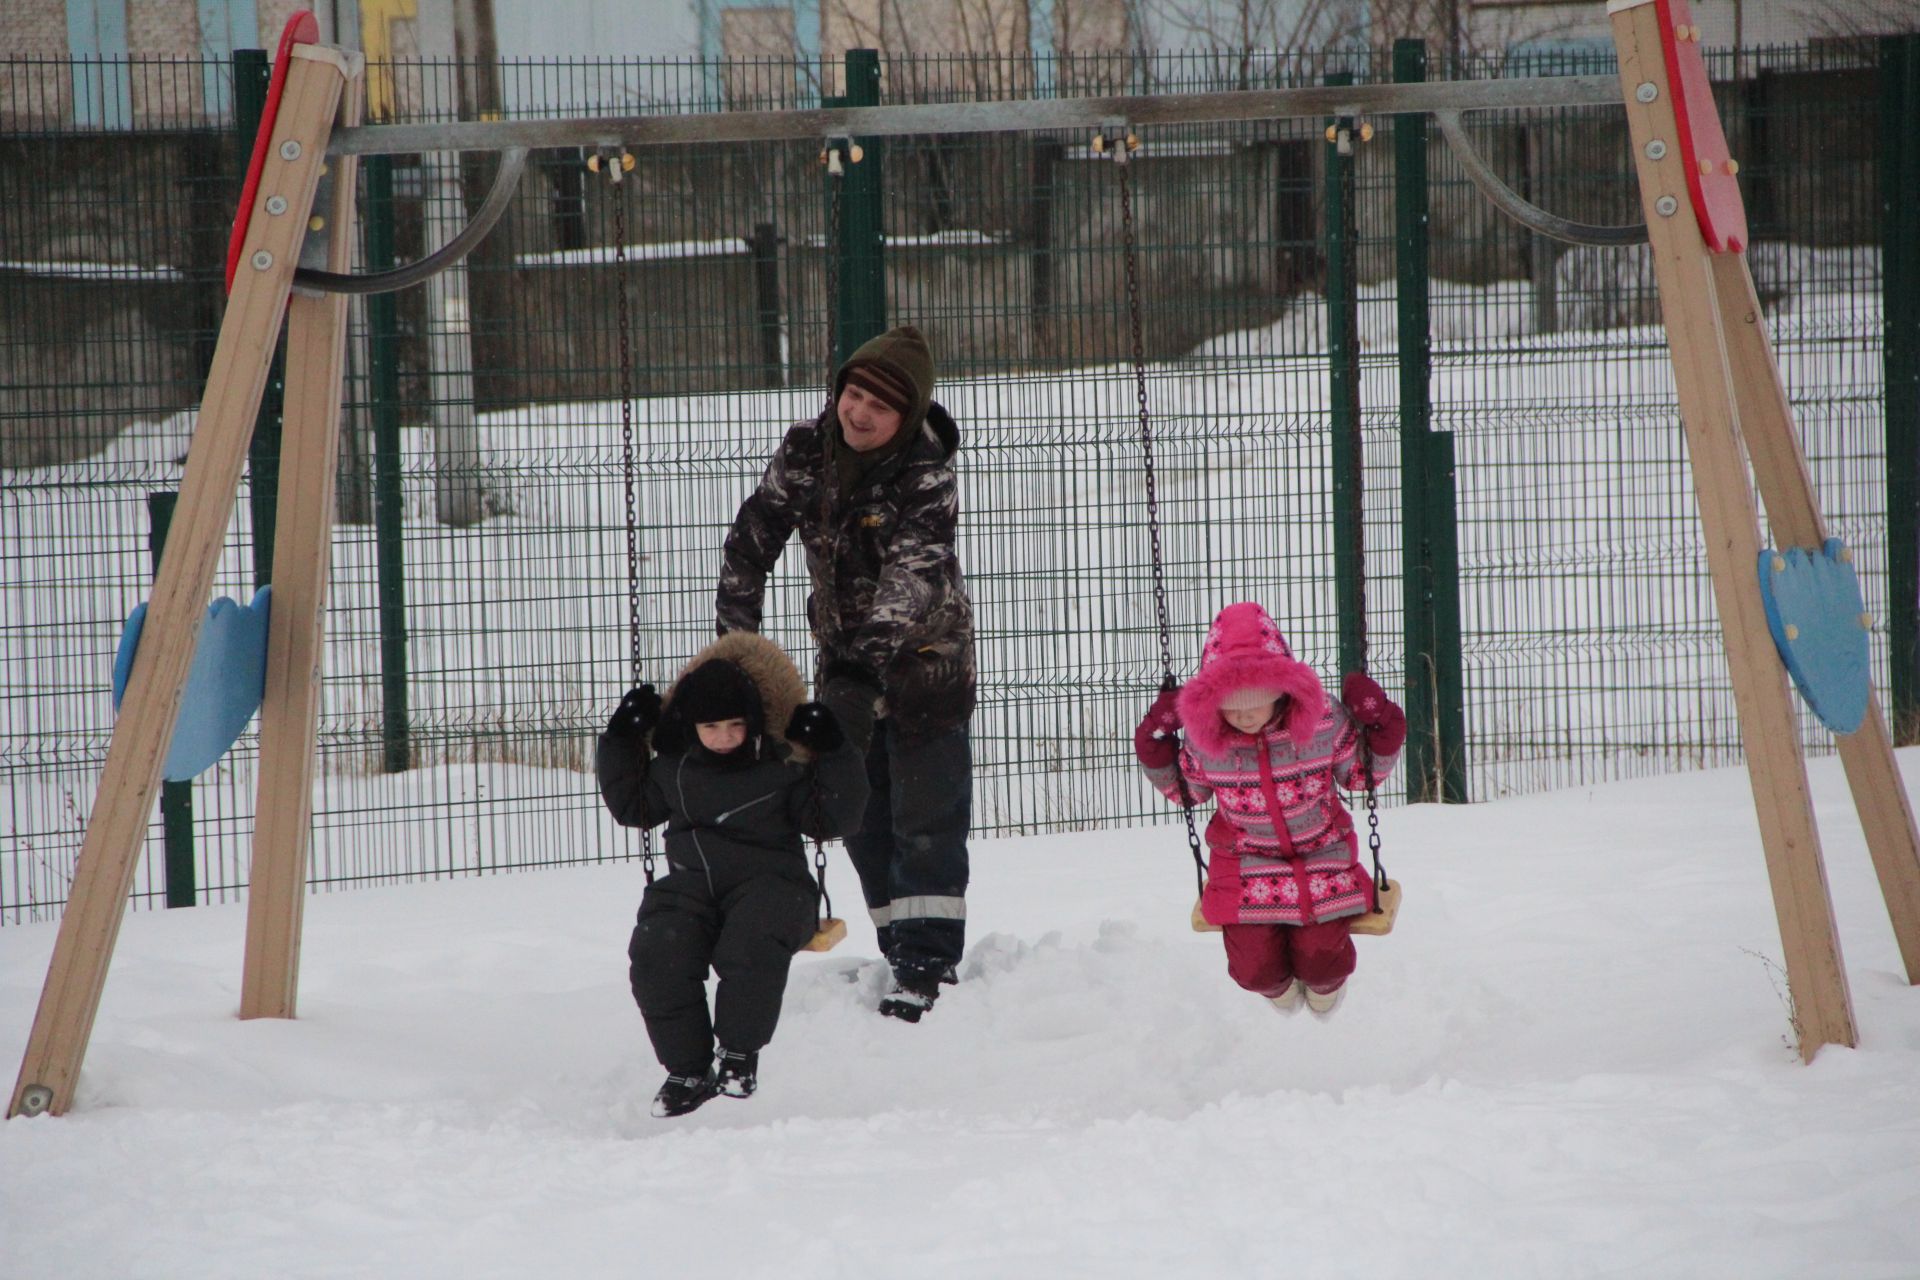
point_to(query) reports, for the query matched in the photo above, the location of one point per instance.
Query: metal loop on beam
(1524, 211)
(513, 161)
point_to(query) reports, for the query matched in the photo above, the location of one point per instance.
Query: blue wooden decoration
(224, 686)
(1819, 624)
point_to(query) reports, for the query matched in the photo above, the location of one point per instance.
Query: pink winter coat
(1300, 871)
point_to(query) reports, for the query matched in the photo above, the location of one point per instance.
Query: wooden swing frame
(1731, 401)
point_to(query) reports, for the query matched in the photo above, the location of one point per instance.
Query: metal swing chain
(836, 186)
(1348, 230)
(820, 877)
(834, 175)
(1167, 682)
(616, 170)
(624, 320)
(1366, 747)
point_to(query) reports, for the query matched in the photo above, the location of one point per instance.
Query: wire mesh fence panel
(478, 622)
(1592, 645)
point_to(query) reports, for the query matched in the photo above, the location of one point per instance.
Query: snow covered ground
(1571, 1059)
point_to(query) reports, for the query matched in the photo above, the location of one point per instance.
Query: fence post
(383, 397)
(1899, 134)
(1410, 260)
(861, 308)
(251, 73)
(1343, 365)
(176, 798)
(765, 249)
(1447, 781)
(1430, 582)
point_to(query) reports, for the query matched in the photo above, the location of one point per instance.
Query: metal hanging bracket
(617, 164)
(840, 152)
(1343, 133)
(1116, 140)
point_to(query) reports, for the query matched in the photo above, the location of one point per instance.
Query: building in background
(525, 35)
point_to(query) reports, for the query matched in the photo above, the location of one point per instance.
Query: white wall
(596, 28)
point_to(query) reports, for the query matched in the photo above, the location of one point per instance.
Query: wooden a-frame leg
(1779, 465)
(1816, 979)
(303, 544)
(123, 805)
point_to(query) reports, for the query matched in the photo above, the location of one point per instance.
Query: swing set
(1793, 612)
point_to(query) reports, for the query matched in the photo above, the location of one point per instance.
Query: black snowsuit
(738, 897)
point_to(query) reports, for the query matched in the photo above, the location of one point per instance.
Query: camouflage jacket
(888, 595)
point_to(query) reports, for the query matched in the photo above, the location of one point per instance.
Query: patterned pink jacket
(1306, 868)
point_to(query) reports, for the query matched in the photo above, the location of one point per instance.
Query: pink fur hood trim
(1244, 649)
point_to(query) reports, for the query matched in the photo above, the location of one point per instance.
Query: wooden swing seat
(829, 935)
(1371, 924)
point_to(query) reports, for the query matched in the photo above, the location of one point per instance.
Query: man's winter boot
(683, 1093)
(734, 1073)
(1323, 1002)
(1289, 999)
(911, 996)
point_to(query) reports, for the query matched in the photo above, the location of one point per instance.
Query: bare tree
(1244, 37)
(1246, 28)
(1858, 19)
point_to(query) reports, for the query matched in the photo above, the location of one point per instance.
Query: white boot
(1289, 1000)
(1323, 1003)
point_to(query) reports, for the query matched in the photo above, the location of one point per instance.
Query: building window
(225, 25)
(97, 43)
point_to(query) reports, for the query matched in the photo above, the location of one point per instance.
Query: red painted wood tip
(301, 28)
(1701, 146)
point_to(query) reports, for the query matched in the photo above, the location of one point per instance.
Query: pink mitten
(1156, 740)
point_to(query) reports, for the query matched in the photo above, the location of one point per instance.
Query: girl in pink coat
(1284, 879)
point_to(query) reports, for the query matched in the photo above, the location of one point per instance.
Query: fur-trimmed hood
(773, 674)
(1245, 650)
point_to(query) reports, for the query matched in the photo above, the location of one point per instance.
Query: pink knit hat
(1245, 661)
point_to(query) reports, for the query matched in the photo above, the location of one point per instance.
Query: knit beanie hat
(1250, 698)
(1246, 661)
(882, 384)
(897, 367)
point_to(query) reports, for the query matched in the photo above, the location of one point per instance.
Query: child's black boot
(683, 1093)
(734, 1072)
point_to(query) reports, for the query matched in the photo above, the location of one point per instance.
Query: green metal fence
(1530, 529)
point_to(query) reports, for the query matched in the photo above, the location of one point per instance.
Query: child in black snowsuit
(738, 800)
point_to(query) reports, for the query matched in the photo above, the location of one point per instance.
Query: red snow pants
(1266, 958)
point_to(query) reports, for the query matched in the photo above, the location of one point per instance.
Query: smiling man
(870, 487)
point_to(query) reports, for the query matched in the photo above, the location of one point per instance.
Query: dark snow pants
(741, 920)
(911, 849)
(1266, 958)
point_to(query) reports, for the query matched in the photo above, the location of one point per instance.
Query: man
(870, 487)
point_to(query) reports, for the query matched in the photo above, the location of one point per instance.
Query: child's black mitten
(815, 727)
(637, 713)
